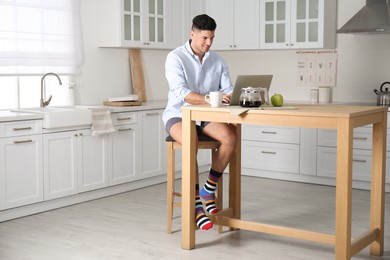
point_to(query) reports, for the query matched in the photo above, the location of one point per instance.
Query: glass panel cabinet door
(274, 23)
(307, 23)
(132, 20)
(157, 19)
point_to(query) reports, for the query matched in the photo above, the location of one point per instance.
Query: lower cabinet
(21, 175)
(152, 146)
(361, 157)
(74, 161)
(123, 149)
(270, 148)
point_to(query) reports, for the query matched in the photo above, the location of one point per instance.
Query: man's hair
(203, 22)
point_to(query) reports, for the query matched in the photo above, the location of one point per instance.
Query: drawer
(362, 138)
(270, 156)
(271, 134)
(361, 163)
(124, 118)
(20, 128)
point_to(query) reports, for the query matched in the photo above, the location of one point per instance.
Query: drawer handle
(21, 128)
(152, 114)
(359, 160)
(360, 138)
(125, 129)
(23, 141)
(269, 132)
(267, 152)
(124, 118)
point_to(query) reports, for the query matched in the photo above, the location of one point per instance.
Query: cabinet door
(246, 24)
(123, 154)
(307, 23)
(21, 175)
(157, 21)
(222, 12)
(275, 24)
(92, 164)
(152, 143)
(237, 23)
(60, 164)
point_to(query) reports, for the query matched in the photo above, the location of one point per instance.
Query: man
(192, 71)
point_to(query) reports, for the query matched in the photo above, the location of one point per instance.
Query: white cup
(214, 98)
(324, 94)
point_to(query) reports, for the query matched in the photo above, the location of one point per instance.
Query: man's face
(201, 41)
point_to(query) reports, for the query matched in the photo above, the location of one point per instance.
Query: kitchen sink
(67, 116)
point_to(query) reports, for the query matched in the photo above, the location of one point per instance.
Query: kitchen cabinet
(297, 24)
(237, 23)
(362, 144)
(74, 161)
(134, 23)
(152, 146)
(185, 11)
(21, 171)
(267, 148)
(123, 152)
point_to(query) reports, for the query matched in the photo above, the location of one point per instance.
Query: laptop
(256, 81)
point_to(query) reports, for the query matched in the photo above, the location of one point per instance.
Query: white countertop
(8, 115)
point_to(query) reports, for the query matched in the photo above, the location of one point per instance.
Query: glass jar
(250, 97)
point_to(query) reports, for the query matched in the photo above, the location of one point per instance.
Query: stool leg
(220, 199)
(170, 184)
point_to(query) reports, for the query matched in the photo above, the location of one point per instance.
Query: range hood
(374, 17)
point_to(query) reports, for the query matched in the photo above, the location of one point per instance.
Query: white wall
(363, 64)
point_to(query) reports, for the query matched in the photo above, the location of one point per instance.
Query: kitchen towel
(101, 121)
(237, 110)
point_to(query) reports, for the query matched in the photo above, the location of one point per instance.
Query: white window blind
(37, 36)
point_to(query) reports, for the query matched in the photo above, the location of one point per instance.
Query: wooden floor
(132, 225)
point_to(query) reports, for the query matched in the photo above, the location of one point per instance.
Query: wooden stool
(204, 142)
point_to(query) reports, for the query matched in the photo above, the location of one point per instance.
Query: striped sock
(207, 193)
(202, 221)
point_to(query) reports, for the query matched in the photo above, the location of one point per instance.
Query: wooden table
(342, 118)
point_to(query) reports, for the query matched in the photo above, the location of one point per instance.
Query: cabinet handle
(123, 118)
(125, 129)
(75, 135)
(267, 152)
(23, 141)
(152, 114)
(21, 128)
(269, 132)
(359, 160)
(360, 138)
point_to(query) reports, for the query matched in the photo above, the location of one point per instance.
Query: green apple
(277, 100)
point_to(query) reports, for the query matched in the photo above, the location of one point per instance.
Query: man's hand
(226, 99)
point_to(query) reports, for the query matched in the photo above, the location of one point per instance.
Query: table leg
(235, 178)
(343, 190)
(188, 181)
(378, 184)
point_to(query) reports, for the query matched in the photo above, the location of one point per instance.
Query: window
(36, 37)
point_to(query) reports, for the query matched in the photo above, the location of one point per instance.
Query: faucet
(44, 103)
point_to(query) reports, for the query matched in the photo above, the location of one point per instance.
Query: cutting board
(122, 103)
(137, 73)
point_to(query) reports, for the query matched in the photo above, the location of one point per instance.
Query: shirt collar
(189, 49)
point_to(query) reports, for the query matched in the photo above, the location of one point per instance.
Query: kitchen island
(342, 118)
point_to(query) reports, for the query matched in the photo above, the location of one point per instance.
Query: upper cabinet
(237, 23)
(297, 24)
(133, 23)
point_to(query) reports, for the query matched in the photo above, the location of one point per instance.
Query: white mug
(214, 98)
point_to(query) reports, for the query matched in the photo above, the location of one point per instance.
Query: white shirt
(186, 74)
